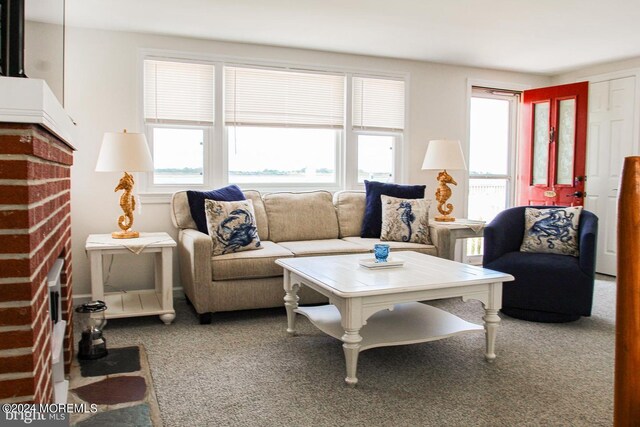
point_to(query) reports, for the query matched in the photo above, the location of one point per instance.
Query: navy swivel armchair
(548, 287)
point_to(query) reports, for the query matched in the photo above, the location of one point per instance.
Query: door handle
(577, 194)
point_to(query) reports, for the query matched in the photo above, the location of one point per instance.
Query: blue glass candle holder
(381, 252)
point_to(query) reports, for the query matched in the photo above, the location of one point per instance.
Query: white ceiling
(536, 36)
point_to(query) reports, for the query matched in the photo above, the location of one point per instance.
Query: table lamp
(125, 152)
(443, 154)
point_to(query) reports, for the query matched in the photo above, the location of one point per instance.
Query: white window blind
(266, 97)
(378, 104)
(178, 92)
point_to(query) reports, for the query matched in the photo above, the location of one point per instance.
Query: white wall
(43, 56)
(583, 74)
(101, 94)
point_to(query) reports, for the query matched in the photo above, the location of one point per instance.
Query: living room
(440, 53)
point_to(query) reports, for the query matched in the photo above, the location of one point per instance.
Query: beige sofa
(290, 224)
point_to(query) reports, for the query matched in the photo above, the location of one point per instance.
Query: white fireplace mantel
(25, 100)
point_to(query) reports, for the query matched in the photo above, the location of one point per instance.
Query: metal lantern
(92, 318)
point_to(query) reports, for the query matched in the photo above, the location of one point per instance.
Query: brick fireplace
(35, 230)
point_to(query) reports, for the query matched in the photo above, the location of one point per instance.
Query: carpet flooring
(244, 370)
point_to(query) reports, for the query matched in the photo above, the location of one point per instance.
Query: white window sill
(155, 198)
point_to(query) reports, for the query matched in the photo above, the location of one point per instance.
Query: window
(378, 124)
(375, 158)
(178, 113)
(493, 118)
(283, 126)
(178, 163)
(212, 123)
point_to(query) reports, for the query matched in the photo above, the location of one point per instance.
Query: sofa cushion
(395, 246)
(232, 226)
(323, 247)
(260, 212)
(249, 264)
(301, 216)
(405, 220)
(230, 193)
(350, 210)
(372, 221)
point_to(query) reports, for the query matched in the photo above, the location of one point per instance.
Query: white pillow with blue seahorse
(551, 230)
(232, 226)
(405, 220)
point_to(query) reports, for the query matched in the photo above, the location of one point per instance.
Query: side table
(144, 302)
(458, 229)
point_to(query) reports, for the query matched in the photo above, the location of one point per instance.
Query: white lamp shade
(124, 152)
(444, 154)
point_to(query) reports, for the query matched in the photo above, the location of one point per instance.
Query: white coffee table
(378, 307)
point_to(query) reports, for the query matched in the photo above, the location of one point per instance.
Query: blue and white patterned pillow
(551, 230)
(232, 226)
(405, 220)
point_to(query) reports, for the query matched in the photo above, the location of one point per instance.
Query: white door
(610, 140)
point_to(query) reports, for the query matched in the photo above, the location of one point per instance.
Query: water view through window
(375, 158)
(178, 156)
(282, 155)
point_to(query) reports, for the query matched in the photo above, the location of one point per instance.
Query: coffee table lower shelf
(407, 323)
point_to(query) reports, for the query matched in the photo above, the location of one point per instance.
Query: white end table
(144, 302)
(458, 229)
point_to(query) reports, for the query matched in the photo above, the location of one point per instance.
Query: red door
(553, 146)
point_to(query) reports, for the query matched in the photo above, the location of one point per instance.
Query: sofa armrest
(587, 238)
(194, 258)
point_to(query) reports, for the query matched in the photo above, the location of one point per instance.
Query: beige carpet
(244, 370)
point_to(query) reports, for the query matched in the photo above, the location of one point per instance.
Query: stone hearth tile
(138, 416)
(117, 361)
(112, 391)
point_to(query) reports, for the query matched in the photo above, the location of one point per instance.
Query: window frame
(509, 176)
(395, 146)
(216, 167)
(207, 132)
(481, 91)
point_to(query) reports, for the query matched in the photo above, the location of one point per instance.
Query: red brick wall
(35, 229)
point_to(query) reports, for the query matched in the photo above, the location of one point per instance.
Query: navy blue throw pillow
(372, 222)
(230, 193)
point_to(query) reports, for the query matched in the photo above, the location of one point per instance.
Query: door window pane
(540, 143)
(178, 156)
(566, 140)
(375, 158)
(489, 144)
(267, 155)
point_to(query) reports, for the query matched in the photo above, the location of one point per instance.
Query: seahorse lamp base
(444, 218)
(125, 234)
